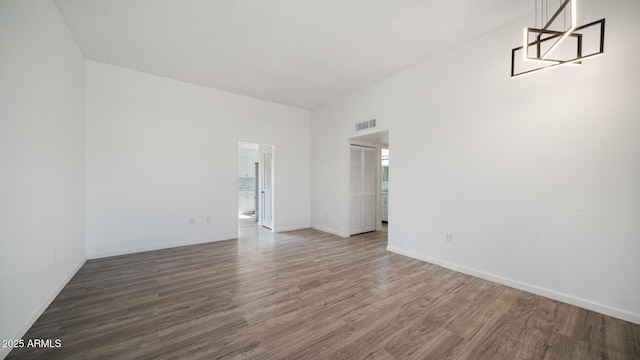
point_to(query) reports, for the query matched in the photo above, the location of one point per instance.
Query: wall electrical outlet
(208, 219)
(448, 237)
(192, 221)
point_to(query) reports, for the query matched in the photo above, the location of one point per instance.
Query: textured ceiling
(297, 52)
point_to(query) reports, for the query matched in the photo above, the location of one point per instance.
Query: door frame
(273, 183)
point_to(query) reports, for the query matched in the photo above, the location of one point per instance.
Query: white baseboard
(551, 294)
(32, 319)
(133, 250)
(330, 231)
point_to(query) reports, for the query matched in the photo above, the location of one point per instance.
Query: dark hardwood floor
(311, 295)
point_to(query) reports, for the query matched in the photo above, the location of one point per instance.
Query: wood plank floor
(309, 295)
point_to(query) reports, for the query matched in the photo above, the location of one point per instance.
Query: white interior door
(362, 190)
(266, 182)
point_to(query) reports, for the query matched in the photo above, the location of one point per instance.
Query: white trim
(118, 252)
(551, 294)
(330, 231)
(32, 319)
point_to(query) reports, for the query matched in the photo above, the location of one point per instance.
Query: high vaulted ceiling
(302, 53)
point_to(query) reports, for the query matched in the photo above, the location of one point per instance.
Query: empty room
(296, 179)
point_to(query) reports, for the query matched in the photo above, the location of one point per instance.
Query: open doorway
(368, 196)
(248, 155)
(254, 186)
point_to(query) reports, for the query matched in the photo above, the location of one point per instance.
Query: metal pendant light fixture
(558, 41)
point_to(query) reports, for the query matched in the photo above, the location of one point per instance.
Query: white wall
(161, 151)
(41, 161)
(537, 178)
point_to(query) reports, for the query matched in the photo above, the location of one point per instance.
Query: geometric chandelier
(558, 41)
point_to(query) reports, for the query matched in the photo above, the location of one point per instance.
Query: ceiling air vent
(365, 125)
